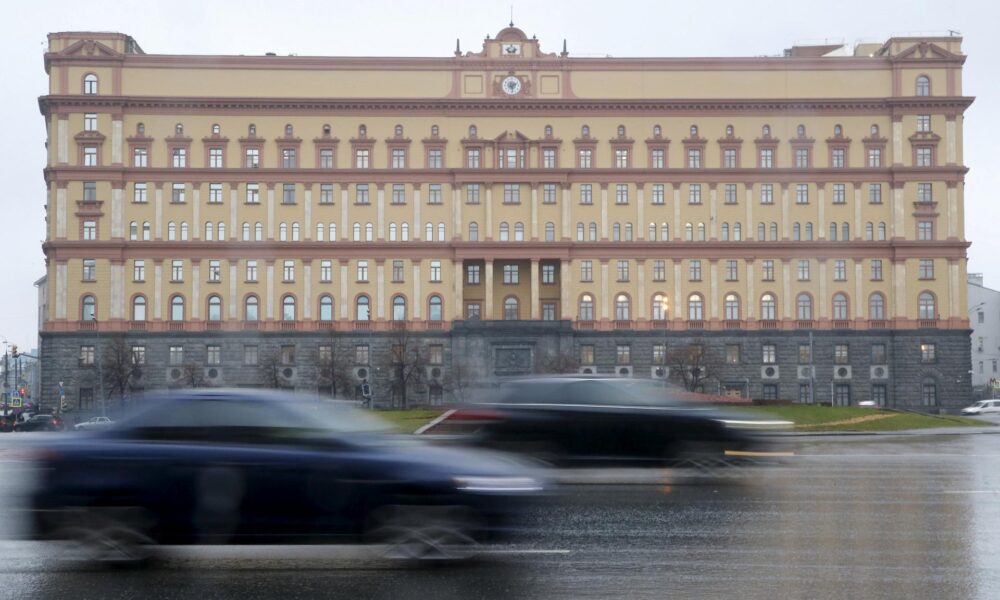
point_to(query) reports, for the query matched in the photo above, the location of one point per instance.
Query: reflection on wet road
(888, 517)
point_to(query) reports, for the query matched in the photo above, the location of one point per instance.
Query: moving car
(236, 466)
(573, 420)
(40, 423)
(983, 407)
(94, 423)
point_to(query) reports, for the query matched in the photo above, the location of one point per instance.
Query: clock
(512, 49)
(511, 85)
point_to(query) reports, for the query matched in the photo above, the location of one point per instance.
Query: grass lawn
(842, 418)
(408, 421)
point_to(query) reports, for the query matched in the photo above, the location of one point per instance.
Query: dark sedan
(573, 420)
(40, 423)
(231, 466)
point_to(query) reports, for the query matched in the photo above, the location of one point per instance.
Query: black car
(573, 420)
(234, 466)
(40, 423)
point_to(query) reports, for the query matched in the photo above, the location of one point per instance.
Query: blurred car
(7, 423)
(983, 407)
(575, 420)
(235, 466)
(40, 423)
(868, 404)
(94, 423)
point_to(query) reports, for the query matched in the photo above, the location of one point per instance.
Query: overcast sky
(382, 28)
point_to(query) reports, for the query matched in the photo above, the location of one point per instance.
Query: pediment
(511, 136)
(924, 51)
(89, 48)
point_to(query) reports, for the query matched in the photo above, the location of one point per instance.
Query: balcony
(841, 324)
(733, 324)
(325, 325)
(434, 325)
(287, 325)
(137, 325)
(362, 325)
(251, 325)
(175, 325)
(927, 323)
(660, 324)
(88, 325)
(769, 324)
(804, 324)
(878, 324)
(621, 324)
(698, 324)
(213, 325)
(585, 325)
(398, 325)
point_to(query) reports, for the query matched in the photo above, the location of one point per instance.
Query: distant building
(797, 217)
(984, 316)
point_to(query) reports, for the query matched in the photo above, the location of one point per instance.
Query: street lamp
(100, 368)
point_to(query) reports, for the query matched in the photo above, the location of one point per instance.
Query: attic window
(838, 130)
(362, 131)
(874, 130)
(923, 86)
(548, 131)
(766, 131)
(288, 130)
(657, 131)
(140, 129)
(800, 131)
(398, 131)
(216, 130)
(435, 131)
(472, 131)
(326, 130)
(729, 131)
(585, 131)
(179, 129)
(621, 131)
(252, 130)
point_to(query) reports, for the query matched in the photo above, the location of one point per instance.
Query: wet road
(885, 517)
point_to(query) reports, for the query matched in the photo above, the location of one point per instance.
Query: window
(881, 232)
(177, 270)
(840, 311)
(981, 317)
(803, 307)
(138, 355)
(434, 159)
(549, 273)
(362, 355)
(253, 193)
(326, 193)
(928, 353)
(623, 354)
(398, 158)
(397, 271)
(923, 123)
(659, 354)
(657, 158)
(925, 230)
(766, 158)
(288, 193)
(621, 158)
(732, 307)
(550, 232)
(214, 271)
(840, 270)
(435, 271)
(287, 354)
(659, 270)
(472, 310)
(90, 84)
(694, 158)
(398, 308)
(288, 158)
(658, 196)
(874, 157)
(510, 274)
(434, 195)
(472, 273)
(729, 158)
(767, 193)
(730, 193)
(695, 308)
(801, 158)
(622, 307)
(178, 158)
(876, 307)
(361, 158)
(89, 121)
(288, 271)
(369, 232)
(140, 157)
(250, 355)
(876, 269)
(586, 312)
(839, 193)
(925, 192)
(769, 354)
(923, 86)
(694, 193)
(511, 193)
(586, 271)
(504, 232)
(694, 270)
(214, 308)
(177, 308)
(548, 158)
(252, 158)
(768, 311)
(398, 193)
(586, 194)
(139, 194)
(767, 270)
(362, 270)
(875, 193)
(176, 355)
(472, 158)
(660, 307)
(472, 193)
(473, 232)
(251, 270)
(802, 193)
(803, 270)
(586, 158)
(90, 230)
(926, 306)
(837, 158)
(510, 309)
(732, 270)
(586, 354)
(926, 268)
(435, 309)
(90, 156)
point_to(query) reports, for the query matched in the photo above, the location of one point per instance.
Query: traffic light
(366, 390)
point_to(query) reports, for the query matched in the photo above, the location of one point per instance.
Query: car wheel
(113, 536)
(422, 533)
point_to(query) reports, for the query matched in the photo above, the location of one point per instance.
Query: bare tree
(193, 375)
(691, 365)
(270, 366)
(558, 362)
(458, 379)
(334, 369)
(119, 368)
(405, 362)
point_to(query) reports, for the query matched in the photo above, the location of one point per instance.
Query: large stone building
(246, 220)
(984, 314)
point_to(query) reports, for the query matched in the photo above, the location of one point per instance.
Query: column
(751, 299)
(307, 300)
(533, 272)
(456, 211)
(565, 310)
(713, 301)
(678, 302)
(488, 299)
(459, 281)
(678, 233)
(821, 192)
(605, 292)
(899, 287)
(418, 299)
(380, 287)
(955, 307)
(858, 233)
(62, 146)
(117, 138)
(897, 139)
(343, 290)
(234, 231)
(117, 289)
(751, 228)
(307, 200)
(380, 212)
(784, 211)
(822, 304)
(269, 299)
(195, 288)
(859, 301)
(950, 140)
(953, 221)
(898, 230)
(61, 211)
(157, 290)
(416, 209)
(345, 227)
(488, 234)
(713, 211)
(640, 207)
(566, 224)
(641, 302)
(787, 302)
(534, 214)
(270, 212)
(196, 224)
(118, 212)
(604, 211)
(158, 212)
(233, 273)
(62, 275)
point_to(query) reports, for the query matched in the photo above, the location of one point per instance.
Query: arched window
(133, 231)
(586, 308)
(319, 232)
(838, 131)
(441, 232)
(773, 232)
(369, 232)
(923, 86)
(139, 308)
(179, 129)
(796, 231)
(177, 308)
(357, 232)
(696, 308)
(326, 129)
(214, 308)
(283, 232)
(295, 232)
(392, 232)
(362, 131)
(325, 308)
(628, 232)
(652, 232)
(550, 232)
(688, 232)
(363, 309)
(701, 232)
(398, 131)
(800, 131)
(222, 232)
(429, 232)
(616, 232)
(809, 232)
(504, 231)
(209, 231)
(761, 232)
(737, 232)
(845, 231)
(332, 231)
(804, 307)
(881, 232)
(585, 131)
(251, 130)
(657, 131)
(765, 131)
(288, 130)
(246, 232)
(404, 232)
(622, 308)
(140, 129)
(216, 129)
(621, 131)
(729, 131)
(725, 232)
(145, 231)
(926, 306)
(398, 308)
(288, 308)
(88, 311)
(184, 231)
(518, 232)
(732, 307)
(90, 84)
(840, 311)
(660, 307)
(833, 232)
(694, 131)
(258, 232)
(592, 231)
(435, 131)
(548, 131)
(171, 231)
(768, 307)
(869, 231)
(874, 130)
(473, 232)
(434, 308)
(250, 308)
(510, 309)
(876, 307)
(472, 131)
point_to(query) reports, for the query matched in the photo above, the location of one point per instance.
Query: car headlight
(498, 485)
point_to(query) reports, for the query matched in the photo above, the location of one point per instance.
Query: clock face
(511, 85)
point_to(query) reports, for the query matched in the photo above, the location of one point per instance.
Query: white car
(983, 407)
(94, 423)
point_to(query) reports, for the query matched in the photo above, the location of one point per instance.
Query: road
(872, 517)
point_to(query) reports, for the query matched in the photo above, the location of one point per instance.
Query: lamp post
(100, 368)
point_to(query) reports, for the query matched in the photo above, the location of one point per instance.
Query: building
(984, 314)
(795, 221)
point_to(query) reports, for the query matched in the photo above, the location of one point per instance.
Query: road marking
(435, 422)
(751, 453)
(971, 492)
(526, 551)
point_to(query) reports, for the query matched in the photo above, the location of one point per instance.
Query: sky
(382, 28)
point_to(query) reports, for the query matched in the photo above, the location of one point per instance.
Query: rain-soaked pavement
(863, 517)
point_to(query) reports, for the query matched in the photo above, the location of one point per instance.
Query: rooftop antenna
(511, 15)
(458, 47)
(565, 53)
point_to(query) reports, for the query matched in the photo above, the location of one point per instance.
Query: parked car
(983, 407)
(574, 420)
(40, 423)
(228, 466)
(94, 423)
